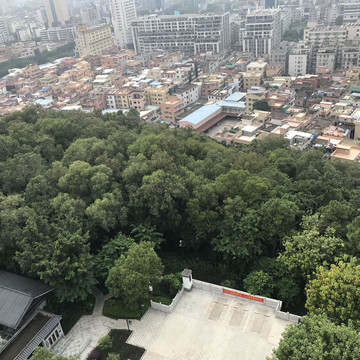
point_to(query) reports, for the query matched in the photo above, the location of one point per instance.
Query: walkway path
(100, 299)
(85, 334)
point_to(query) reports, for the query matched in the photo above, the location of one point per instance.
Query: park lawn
(117, 309)
(119, 346)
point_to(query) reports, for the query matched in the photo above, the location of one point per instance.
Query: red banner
(246, 296)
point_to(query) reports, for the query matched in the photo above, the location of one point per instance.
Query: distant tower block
(187, 279)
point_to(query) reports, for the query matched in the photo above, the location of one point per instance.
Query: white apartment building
(93, 40)
(24, 34)
(317, 35)
(4, 34)
(350, 10)
(57, 12)
(342, 36)
(326, 57)
(123, 12)
(58, 34)
(187, 33)
(262, 31)
(300, 59)
(189, 94)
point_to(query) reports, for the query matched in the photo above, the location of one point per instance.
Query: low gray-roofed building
(23, 325)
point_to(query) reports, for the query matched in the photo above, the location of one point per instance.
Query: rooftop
(16, 296)
(200, 114)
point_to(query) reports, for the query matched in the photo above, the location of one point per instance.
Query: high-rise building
(270, 4)
(123, 12)
(57, 12)
(93, 40)
(262, 31)
(4, 33)
(90, 14)
(188, 33)
(41, 15)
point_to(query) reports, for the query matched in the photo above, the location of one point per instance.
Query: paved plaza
(209, 326)
(205, 325)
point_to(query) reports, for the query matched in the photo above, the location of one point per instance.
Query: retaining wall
(168, 308)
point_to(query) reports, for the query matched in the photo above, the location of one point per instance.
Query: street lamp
(181, 244)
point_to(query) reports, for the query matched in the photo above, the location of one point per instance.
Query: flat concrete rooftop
(209, 326)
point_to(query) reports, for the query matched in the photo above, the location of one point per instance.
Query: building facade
(171, 109)
(123, 12)
(57, 12)
(93, 40)
(262, 31)
(300, 59)
(188, 33)
(280, 55)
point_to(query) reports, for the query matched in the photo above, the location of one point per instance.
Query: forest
(79, 190)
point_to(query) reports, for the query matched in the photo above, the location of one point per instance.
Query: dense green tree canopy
(335, 292)
(318, 338)
(75, 189)
(309, 248)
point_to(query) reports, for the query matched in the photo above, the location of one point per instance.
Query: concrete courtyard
(209, 326)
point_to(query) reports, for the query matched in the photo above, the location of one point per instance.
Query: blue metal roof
(43, 102)
(200, 114)
(155, 83)
(355, 94)
(233, 104)
(236, 96)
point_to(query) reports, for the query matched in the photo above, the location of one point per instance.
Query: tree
(43, 353)
(336, 215)
(146, 232)
(261, 105)
(309, 248)
(278, 220)
(240, 233)
(318, 338)
(57, 253)
(162, 196)
(335, 292)
(107, 212)
(111, 251)
(131, 275)
(17, 171)
(353, 237)
(259, 283)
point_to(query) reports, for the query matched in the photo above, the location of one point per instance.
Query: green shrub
(118, 309)
(173, 282)
(105, 342)
(161, 299)
(112, 356)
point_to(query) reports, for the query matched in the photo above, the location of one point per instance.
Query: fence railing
(273, 303)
